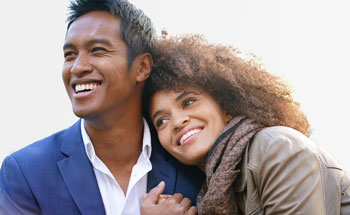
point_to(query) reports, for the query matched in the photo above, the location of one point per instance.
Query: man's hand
(176, 204)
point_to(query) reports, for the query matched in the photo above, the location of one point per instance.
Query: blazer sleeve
(15, 193)
(289, 178)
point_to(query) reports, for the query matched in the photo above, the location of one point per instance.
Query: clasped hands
(154, 203)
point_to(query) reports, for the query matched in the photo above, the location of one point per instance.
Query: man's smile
(86, 87)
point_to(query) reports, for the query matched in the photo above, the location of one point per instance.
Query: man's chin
(82, 112)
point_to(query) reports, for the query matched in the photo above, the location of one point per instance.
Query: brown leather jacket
(284, 172)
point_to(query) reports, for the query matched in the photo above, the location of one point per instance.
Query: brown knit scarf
(216, 195)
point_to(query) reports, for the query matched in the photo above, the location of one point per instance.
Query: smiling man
(106, 161)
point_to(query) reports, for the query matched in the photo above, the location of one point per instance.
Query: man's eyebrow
(90, 43)
(67, 46)
(99, 41)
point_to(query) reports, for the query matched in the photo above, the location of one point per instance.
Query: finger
(144, 196)
(177, 197)
(154, 193)
(185, 204)
(162, 198)
(192, 211)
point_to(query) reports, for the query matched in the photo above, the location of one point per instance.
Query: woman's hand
(154, 203)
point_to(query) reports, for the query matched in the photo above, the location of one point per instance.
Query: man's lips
(86, 85)
(187, 136)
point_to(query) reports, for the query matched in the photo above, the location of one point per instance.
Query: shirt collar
(89, 147)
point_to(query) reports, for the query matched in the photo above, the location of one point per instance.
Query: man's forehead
(98, 24)
(94, 20)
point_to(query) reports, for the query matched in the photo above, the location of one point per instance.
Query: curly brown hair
(240, 86)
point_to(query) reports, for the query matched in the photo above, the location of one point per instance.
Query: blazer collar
(72, 139)
(80, 178)
(78, 173)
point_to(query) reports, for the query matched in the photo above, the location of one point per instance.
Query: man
(105, 162)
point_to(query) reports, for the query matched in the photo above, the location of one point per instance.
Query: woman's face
(188, 123)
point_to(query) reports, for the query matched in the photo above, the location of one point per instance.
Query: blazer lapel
(78, 173)
(163, 168)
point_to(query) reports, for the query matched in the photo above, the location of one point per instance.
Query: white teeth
(82, 87)
(188, 134)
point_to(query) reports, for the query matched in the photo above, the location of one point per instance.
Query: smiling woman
(241, 126)
(171, 114)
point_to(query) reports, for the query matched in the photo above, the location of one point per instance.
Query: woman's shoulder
(281, 139)
(280, 132)
(283, 145)
(283, 160)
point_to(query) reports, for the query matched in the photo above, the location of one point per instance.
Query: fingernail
(144, 195)
(160, 184)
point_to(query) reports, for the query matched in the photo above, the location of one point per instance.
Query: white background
(307, 41)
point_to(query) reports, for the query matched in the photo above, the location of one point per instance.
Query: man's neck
(118, 145)
(121, 142)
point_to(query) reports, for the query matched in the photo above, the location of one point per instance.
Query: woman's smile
(188, 136)
(187, 122)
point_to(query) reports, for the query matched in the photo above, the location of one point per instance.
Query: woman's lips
(189, 135)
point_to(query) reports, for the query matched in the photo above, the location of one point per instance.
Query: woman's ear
(228, 117)
(144, 67)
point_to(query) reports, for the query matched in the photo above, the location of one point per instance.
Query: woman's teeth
(188, 134)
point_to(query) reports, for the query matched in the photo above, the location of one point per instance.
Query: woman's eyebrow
(185, 93)
(156, 114)
(179, 97)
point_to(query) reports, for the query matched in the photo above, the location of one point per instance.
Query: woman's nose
(180, 121)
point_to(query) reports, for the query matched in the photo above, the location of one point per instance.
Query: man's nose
(81, 65)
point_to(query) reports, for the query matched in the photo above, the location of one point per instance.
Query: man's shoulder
(45, 148)
(41, 146)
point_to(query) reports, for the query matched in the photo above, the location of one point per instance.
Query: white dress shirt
(114, 200)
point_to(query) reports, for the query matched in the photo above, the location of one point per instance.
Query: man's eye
(96, 49)
(68, 54)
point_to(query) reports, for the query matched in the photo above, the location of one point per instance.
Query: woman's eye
(160, 122)
(188, 102)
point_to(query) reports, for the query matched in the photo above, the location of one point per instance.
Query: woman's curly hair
(241, 87)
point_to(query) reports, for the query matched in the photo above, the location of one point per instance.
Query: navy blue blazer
(54, 176)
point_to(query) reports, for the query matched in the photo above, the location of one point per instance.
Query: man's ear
(145, 62)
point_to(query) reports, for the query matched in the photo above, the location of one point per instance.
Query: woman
(241, 126)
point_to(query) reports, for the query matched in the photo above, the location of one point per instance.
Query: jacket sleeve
(15, 195)
(289, 177)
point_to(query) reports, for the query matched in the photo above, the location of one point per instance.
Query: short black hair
(137, 29)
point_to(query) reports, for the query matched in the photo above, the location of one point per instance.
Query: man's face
(95, 71)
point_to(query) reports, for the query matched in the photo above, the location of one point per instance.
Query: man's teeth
(83, 87)
(188, 134)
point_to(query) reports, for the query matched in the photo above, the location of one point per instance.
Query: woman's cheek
(163, 139)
